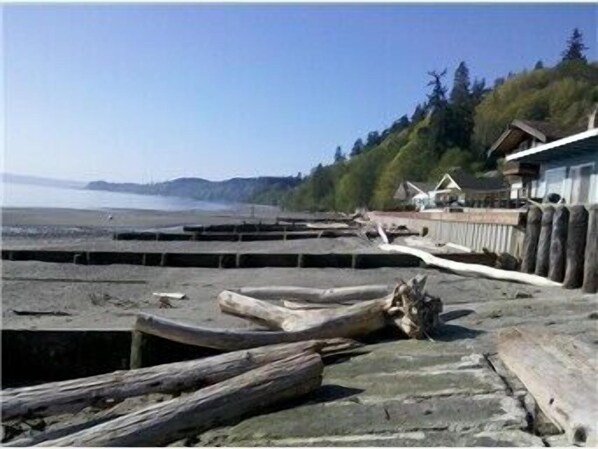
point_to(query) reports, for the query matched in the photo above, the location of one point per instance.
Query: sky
(146, 93)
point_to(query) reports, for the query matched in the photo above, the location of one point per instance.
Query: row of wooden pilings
(561, 243)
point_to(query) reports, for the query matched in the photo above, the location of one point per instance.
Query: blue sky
(154, 92)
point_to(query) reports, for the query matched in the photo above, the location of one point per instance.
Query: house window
(554, 181)
(581, 177)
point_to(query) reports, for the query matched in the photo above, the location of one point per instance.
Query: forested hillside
(263, 190)
(449, 129)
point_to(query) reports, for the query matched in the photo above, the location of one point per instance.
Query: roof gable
(520, 130)
(461, 180)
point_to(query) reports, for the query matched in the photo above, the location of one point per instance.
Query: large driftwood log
(339, 295)
(408, 307)
(222, 339)
(469, 269)
(543, 253)
(590, 268)
(576, 244)
(560, 373)
(73, 395)
(558, 244)
(530, 241)
(358, 319)
(216, 405)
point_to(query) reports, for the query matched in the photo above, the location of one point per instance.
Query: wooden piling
(558, 244)
(576, 244)
(530, 242)
(138, 342)
(590, 271)
(543, 254)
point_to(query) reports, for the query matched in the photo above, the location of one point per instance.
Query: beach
(452, 373)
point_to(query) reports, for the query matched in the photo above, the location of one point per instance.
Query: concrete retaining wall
(235, 260)
(46, 355)
(497, 235)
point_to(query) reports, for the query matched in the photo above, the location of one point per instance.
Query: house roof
(412, 187)
(519, 130)
(467, 181)
(423, 187)
(580, 143)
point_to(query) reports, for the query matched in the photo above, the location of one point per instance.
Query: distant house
(542, 160)
(458, 185)
(413, 192)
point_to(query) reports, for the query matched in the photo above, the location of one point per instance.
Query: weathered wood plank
(560, 373)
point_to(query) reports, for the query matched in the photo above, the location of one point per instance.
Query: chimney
(592, 118)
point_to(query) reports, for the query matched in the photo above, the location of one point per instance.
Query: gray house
(541, 160)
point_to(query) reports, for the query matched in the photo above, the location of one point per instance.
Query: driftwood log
(590, 269)
(530, 241)
(543, 253)
(471, 269)
(73, 395)
(576, 243)
(407, 307)
(222, 339)
(340, 294)
(558, 244)
(561, 374)
(219, 404)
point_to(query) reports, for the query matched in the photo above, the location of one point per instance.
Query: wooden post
(543, 256)
(138, 341)
(558, 244)
(590, 271)
(576, 245)
(530, 242)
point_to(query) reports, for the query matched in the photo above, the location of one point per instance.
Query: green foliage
(454, 157)
(562, 96)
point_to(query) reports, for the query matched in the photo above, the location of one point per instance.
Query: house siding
(539, 187)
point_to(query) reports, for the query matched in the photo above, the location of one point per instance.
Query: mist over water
(28, 195)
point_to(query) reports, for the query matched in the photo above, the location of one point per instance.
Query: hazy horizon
(140, 93)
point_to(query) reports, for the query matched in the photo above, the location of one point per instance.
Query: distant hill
(41, 181)
(260, 190)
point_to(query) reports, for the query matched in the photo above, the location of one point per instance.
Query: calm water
(27, 195)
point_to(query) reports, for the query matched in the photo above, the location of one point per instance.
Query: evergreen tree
(338, 155)
(437, 98)
(400, 124)
(478, 90)
(460, 92)
(539, 65)
(373, 139)
(357, 148)
(575, 47)
(419, 113)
